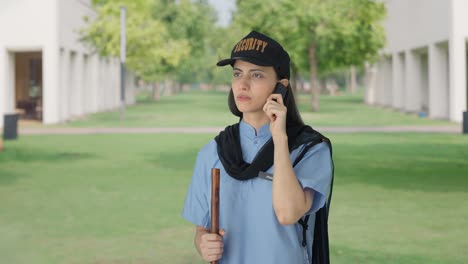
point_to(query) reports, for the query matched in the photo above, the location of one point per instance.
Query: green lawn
(398, 198)
(205, 109)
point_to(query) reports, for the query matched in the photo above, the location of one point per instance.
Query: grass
(398, 198)
(349, 110)
(95, 199)
(209, 109)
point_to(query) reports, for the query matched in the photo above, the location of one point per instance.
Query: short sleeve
(196, 206)
(314, 171)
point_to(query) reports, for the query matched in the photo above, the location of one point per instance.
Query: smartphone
(280, 89)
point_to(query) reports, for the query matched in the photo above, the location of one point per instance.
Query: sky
(224, 8)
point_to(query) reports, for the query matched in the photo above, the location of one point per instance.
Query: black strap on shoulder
(305, 226)
(320, 249)
(305, 220)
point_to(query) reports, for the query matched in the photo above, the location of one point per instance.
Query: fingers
(222, 232)
(212, 246)
(274, 109)
(276, 97)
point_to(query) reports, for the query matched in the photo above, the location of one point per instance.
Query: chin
(245, 108)
(248, 108)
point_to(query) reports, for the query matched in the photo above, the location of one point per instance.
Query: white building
(46, 74)
(424, 65)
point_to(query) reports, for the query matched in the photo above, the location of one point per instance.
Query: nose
(243, 83)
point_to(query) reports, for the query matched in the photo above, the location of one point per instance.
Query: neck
(256, 120)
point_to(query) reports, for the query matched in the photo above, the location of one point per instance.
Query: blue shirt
(253, 233)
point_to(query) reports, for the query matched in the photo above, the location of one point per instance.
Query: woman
(260, 204)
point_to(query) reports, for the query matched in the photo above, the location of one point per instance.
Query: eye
(236, 74)
(257, 75)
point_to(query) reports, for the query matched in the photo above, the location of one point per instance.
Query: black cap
(261, 50)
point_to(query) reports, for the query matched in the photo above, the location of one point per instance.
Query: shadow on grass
(173, 159)
(18, 156)
(8, 176)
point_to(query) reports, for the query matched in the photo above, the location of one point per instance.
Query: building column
(51, 84)
(102, 85)
(7, 83)
(398, 80)
(105, 83)
(424, 81)
(457, 75)
(86, 95)
(94, 82)
(457, 60)
(114, 84)
(380, 82)
(388, 82)
(3, 82)
(50, 72)
(78, 85)
(64, 72)
(109, 84)
(72, 88)
(438, 82)
(412, 93)
(370, 83)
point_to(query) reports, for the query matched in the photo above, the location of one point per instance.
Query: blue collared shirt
(253, 233)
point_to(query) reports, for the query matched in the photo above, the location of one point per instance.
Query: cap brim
(231, 61)
(225, 62)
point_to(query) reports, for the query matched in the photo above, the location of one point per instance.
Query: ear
(285, 82)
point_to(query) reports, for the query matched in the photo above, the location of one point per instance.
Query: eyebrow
(235, 68)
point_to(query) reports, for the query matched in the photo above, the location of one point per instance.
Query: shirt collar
(249, 131)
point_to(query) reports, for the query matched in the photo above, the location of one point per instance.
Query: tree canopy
(321, 36)
(164, 37)
(180, 38)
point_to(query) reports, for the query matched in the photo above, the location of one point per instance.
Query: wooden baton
(214, 229)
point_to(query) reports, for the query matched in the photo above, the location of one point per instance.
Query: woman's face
(251, 85)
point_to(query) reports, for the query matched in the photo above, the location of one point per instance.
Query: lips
(243, 98)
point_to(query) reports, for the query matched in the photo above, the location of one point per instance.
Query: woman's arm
(290, 201)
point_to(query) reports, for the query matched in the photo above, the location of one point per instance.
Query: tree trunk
(168, 87)
(322, 84)
(293, 79)
(315, 90)
(353, 80)
(156, 92)
(348, 81)
(176, 87)
(330, 85)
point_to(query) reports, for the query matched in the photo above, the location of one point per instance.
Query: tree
(150, 48)
(333, 33)
(193, 22)
(167, 39)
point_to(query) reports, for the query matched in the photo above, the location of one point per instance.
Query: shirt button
(255, 142)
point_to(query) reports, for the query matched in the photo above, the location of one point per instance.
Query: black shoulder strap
(320, 248)
(305, 220)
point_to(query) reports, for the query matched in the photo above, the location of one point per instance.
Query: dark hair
(293, 117)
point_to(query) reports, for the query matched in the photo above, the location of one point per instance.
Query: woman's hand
(210, 246)
(276, 111)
